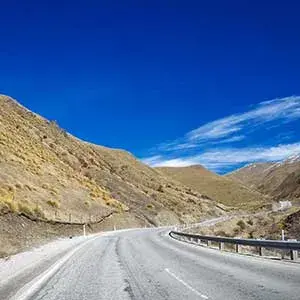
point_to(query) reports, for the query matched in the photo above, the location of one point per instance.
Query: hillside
(221, 189)
(281, 180)
(267, 225)
(47, 174)
(250, 175)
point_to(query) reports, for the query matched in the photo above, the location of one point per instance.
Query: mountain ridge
(280, 180)
(221, 189)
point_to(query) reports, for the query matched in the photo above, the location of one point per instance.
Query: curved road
(148, 264)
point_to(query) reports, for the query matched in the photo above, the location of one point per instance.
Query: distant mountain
(250, 175)
(280, 180)
(222, 189)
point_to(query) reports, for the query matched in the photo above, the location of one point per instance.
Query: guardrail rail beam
(293, 246)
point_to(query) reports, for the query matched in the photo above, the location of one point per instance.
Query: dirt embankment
(19, 233)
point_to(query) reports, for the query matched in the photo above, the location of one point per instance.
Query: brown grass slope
(222, 189)
(251, 174)
(47, 173)
(279, 180)
(267, 225)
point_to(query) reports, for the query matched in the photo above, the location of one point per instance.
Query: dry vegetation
(267, 225)
(279, 180)
(44, 171)
(224, 190)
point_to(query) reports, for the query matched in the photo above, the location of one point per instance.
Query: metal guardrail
(292, 246)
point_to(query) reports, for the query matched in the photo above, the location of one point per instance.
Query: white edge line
(186, 284)
(29, 289)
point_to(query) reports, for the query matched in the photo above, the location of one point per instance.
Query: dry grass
(53, 203)
(266, 225)
(219, 188)
(8, 203)
(38, 154)
(281, 181)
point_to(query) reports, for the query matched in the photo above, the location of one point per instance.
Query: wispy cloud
(226, 157)
(198, 145)
(285, 109)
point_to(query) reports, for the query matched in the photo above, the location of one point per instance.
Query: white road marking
(34, 285)
(186, 284)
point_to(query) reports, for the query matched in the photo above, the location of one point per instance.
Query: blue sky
(173, 82)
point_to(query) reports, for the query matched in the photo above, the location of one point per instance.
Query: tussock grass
(53, 203)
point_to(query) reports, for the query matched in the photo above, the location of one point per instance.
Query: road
(148, 264)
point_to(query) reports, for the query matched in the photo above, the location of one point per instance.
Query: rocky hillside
(281, 180)
(219, 188)
(46, 173)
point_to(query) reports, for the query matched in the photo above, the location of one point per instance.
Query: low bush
(250, 222)
(39, 212)
(53, 203)
(241, 224)
(160, 189)
(150, 206)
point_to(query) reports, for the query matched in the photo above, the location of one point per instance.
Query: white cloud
(243, 155)
(198, 145)
(226, 157)
(284, 109)
(152, 160)
(160, 161)
(232, 139)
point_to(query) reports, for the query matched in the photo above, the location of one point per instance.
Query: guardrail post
(237, 248)
(221, 246)
(261, 251)
(293, 253)
(208, 242)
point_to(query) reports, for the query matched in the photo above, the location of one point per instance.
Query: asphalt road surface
(148, 264)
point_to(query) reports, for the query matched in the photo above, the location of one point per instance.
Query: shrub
(19, 185)
(241, 224)
(39, 212)
(8, 203)
(160, 189)
(45, 186)
(236, 230)
(250, 222)
(150, 206)
(25, 208)
(28, 187)
(53, 203)
(251, 234)
(220, 233)
(11, 188)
